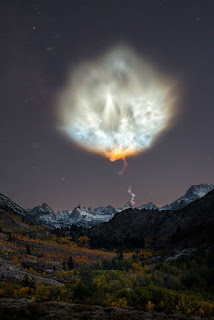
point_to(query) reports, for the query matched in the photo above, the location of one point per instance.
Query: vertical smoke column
(132, 196)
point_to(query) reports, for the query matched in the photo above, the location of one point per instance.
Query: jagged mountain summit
(43, 215)
(43, 209)
(193, 193)
(148, 206)
(126, 206)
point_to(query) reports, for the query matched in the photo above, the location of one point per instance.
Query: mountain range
(88, 217)
(80, 215)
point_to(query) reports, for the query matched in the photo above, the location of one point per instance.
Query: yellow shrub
(201, 312)
(24, 290)
(2, 292)
(149, 306)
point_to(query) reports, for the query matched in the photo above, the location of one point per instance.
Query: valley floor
(58, 276)
(24, 309)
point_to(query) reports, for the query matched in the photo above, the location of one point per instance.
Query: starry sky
(41, 41)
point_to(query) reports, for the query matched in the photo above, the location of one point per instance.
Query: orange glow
(117, 154)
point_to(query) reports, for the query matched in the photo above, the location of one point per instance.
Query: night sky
(41, 41)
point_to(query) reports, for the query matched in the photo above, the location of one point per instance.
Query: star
(36, 146)
(63, 180)
(49, 49)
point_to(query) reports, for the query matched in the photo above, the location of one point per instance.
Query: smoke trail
(132, 196)
(125, 165)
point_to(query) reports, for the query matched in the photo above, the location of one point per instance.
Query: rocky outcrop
(9, 271)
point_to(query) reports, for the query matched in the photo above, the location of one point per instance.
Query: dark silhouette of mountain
(196, 220)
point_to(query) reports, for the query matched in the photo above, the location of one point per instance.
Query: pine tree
(28, 249)
(70, 263)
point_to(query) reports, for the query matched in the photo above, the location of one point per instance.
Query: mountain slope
(10, 206)
(193, 193)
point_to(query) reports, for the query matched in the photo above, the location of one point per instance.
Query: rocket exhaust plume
(125, 165)
(117, 154)
(132, 196)
(116, 105)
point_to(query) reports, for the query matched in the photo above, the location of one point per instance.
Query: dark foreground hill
(23, 309)
(195, 222)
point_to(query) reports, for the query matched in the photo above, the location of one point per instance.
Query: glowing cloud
(117, 105)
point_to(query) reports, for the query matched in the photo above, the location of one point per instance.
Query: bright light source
(117, 105)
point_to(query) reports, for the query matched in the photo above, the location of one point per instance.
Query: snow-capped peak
(198, 191)
(193, 193)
